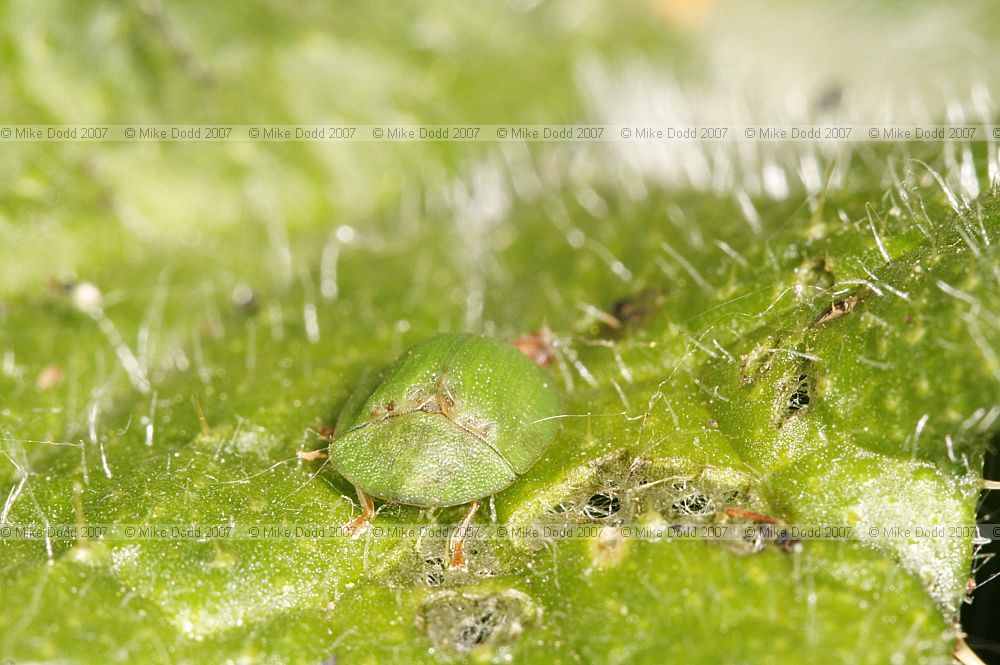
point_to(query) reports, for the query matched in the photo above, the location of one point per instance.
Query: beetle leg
(752, 515)
(359, 524)
(457, 541)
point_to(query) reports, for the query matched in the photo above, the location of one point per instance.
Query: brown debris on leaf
(49, 377)
(538, 346)
(836, 310)
(629, 313)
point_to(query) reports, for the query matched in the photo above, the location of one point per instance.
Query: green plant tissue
(741, 333)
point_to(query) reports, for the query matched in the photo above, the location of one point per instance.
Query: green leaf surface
(823, 355)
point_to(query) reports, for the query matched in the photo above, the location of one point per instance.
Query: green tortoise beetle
(455, 419)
